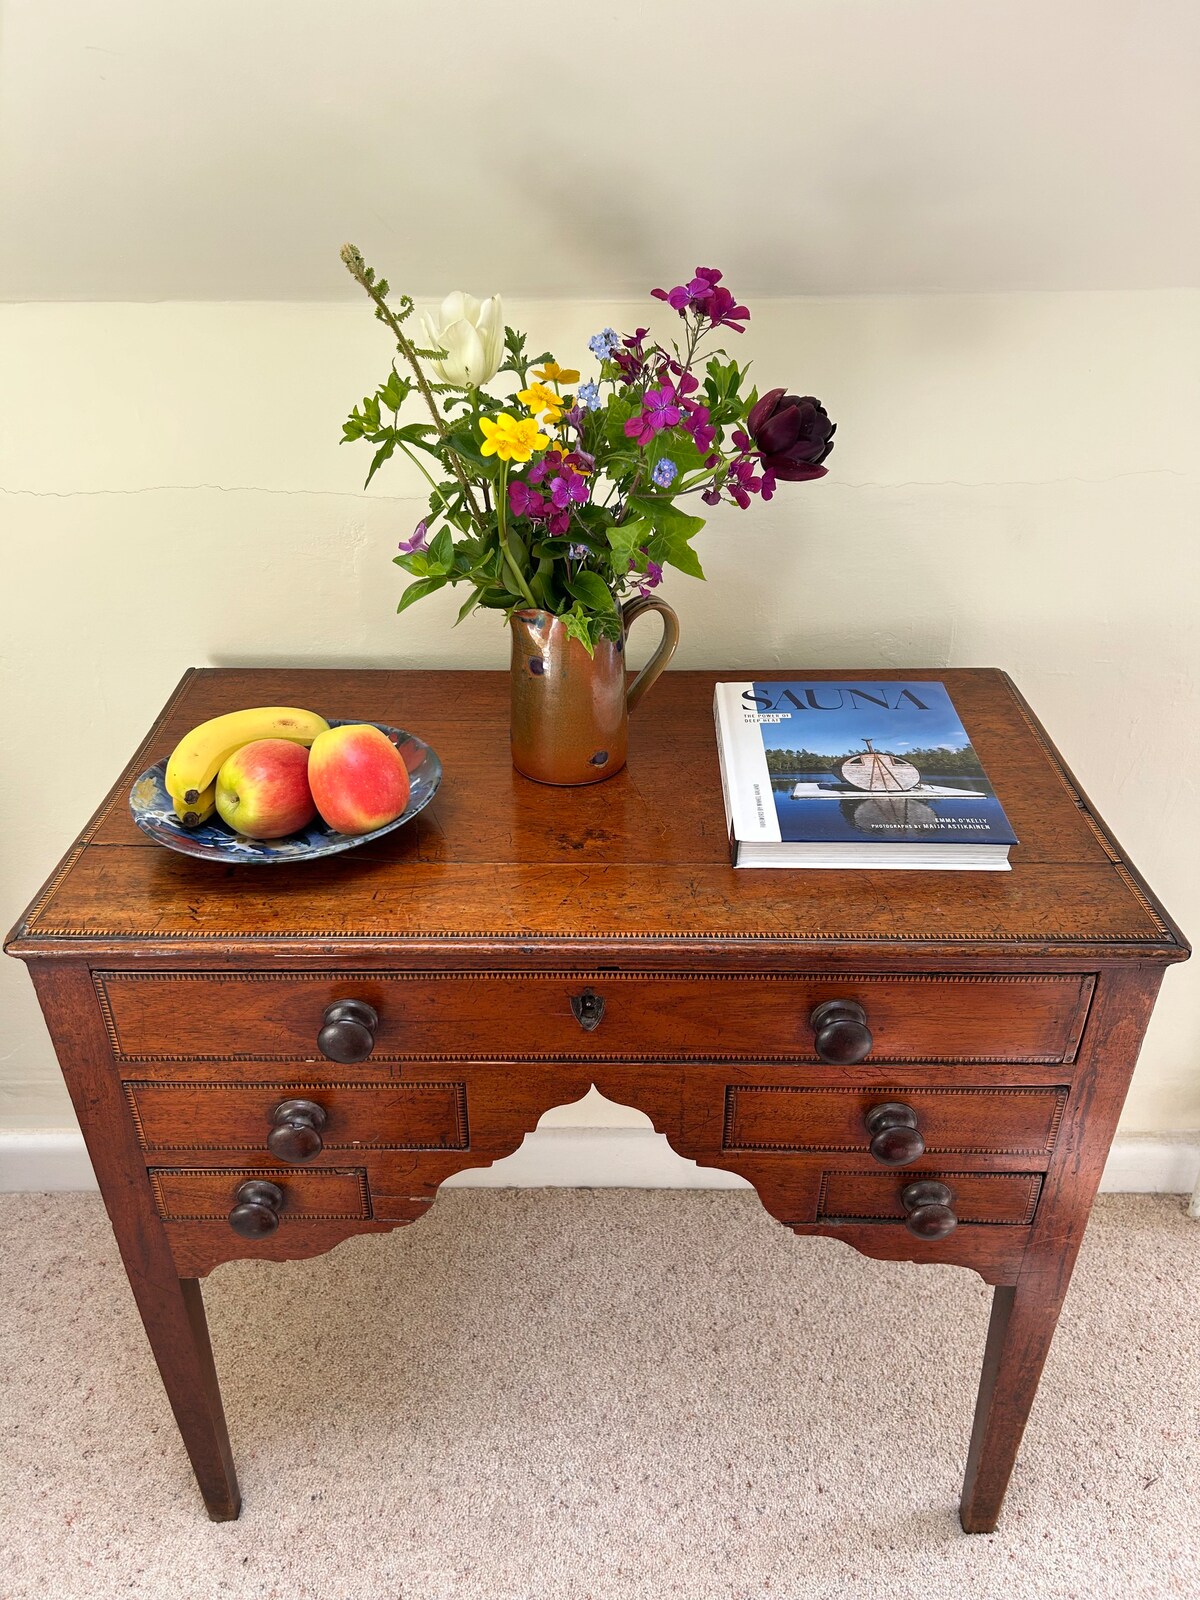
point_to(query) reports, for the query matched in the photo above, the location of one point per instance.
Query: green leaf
(679, 553)
(418, 591)
(413, 432)
(626, 537)
(666, 516)
(467, 606)
(381, 455)
(441, 551)
(617, 414)
(395, 391)
(672, 531)
(590, 589)
(582, 627)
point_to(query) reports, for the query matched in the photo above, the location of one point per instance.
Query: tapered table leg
(171, 1307)
(1018, 1342)
(173, 1315)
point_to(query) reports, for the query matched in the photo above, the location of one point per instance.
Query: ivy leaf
(626, 537)
(580, 626)
(672, 548)
(418, 591)
(672, 531)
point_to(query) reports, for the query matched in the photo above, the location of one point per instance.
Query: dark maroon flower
(630, 357)
(794, 434)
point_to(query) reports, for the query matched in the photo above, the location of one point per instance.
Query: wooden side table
(927, 1066)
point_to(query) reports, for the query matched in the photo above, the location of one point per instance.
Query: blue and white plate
(215, 841)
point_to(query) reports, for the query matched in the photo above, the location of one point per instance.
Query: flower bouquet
(565, 498)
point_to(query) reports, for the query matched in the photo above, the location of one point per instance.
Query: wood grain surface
(642, 857)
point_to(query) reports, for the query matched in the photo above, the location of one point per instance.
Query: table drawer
(241, 1116)
(1005, 1198)
(209, 1194)
(983, 1121)
(277, 1016)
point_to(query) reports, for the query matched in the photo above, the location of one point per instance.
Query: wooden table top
(642, 859)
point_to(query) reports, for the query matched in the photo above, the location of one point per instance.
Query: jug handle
(630, 612)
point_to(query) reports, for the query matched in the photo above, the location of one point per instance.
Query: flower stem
(357, 269)
(502, 529)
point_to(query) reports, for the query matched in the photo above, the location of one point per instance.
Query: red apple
(262, 789)
(358, 778)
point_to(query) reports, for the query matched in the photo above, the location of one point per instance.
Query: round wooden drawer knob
(348, 1031)
(840, 1031)
(296, 1130)
(895, 1138)
(929, 1205)
(256, 1209)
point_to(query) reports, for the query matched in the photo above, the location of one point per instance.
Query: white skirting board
(587, 1158)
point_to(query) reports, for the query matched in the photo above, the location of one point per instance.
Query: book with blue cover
(858, 773)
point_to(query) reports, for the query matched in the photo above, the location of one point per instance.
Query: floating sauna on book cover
(855, 774)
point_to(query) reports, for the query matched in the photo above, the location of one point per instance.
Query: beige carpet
(597, 1395)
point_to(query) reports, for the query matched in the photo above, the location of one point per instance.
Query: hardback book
(860, 773)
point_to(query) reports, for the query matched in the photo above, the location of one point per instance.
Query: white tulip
(472, 335)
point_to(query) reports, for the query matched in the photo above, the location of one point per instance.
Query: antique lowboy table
(927, 1066)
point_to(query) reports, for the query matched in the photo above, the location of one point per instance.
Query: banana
(198, 757)
(194, 816)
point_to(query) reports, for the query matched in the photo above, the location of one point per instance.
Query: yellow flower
(553, 373)
(538, 398)
(510, 439)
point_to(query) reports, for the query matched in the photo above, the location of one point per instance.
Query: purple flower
(589, 396)
(665, 472)
(418, 541)
(710, 301)
(603, 344)
(743, 481)
(522, 502)
(567, 487)
(700, 427)
(660, 410)
(559, 521)
(651, 578)
(578, 552)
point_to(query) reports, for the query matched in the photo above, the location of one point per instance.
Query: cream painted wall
(1015, 483)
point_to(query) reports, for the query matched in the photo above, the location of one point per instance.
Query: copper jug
(570, 711)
